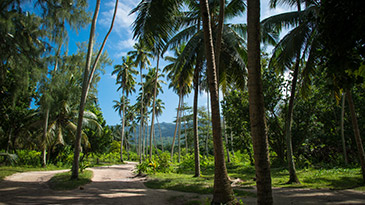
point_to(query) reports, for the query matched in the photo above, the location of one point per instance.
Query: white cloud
(123, 21)
(126, 44)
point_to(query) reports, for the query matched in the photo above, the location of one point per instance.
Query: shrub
(29, 157)
(164, 163)
(147, 167)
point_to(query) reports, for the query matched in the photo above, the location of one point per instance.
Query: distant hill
(167, 130)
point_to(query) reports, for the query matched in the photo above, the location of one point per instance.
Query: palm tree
(126, 80)
(256, 105)
(222, 192)
(288, 53)
(159, 109)
(88, 77)
(141, 58)
(120, 106)
(152, 89)
(181, 79)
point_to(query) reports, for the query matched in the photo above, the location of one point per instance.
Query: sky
(120, 42)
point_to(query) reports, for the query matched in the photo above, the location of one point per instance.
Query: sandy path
(110, 185)
(117, 185)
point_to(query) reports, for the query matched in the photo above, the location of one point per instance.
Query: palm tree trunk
(342, 128)
(195, 125)
(159, 128)
(186, 135)
(195, 113)
(177, 121)
(219, 34)
(226, 139)
(141, 122)
(123, 124)
(356, 129)
(208, 127)
(256, 105)
(88, 76)
(153, 106)
(222, 191)
(75, 166)
(292, 172)
(179, 134)
(44, 140)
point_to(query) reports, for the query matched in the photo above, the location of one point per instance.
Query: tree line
(265, 114)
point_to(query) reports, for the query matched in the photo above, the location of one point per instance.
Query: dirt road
(117, 185)
(110, 185)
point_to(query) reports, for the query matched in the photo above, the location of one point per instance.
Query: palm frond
(288, 48)
(234, 8)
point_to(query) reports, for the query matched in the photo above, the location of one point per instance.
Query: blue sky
(120, 42)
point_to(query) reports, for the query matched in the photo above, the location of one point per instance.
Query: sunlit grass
(336, 178)
(62, 181)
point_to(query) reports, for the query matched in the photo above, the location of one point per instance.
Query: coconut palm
(256, 105)
(180, 76)
(127, 82)
(141, 58)
(152, 89)
(88, 78)
(159, 109)
(300, 44)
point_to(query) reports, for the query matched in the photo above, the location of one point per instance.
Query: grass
(336, 179)
(62, 181)
(10, 170)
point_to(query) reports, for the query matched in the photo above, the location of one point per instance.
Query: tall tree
(159, 109)
(222, 192)
(88, 76)
(256, 105)
(180, 75)
(298, 45)
(127, 82)
(141, 58)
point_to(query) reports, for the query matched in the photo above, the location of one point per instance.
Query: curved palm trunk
(177, 121)
(195, 118)
(222, 192)
(342, 127)
(75, 166)
(122, 136)
(179, 134)
(256, 105)
(88, 76)
(153, 106)
(288, 125)
(356, 129)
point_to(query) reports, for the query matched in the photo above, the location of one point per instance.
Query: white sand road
(117, 184)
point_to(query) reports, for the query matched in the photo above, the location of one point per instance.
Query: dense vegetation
(298, 108)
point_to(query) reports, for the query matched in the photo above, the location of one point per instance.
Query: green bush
(115, 146)
(187, 164)
(29, 157)
(164, 163)
(147, 167)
